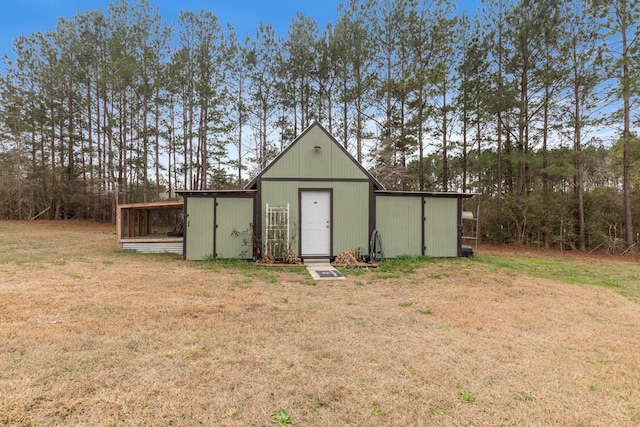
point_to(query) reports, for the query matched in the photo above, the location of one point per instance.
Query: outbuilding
(314, 200)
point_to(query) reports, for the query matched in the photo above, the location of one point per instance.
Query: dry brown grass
(90, 336)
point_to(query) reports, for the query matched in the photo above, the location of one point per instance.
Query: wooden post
(478, 220)
(131, 223)
(141, 222)
(119, 226)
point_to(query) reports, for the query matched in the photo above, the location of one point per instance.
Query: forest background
(533, 104)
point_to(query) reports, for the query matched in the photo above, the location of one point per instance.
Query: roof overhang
(210, 193)
(425, 194)
(253, 183)
(153, 205)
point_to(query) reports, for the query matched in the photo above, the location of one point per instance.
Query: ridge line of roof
(254, 181)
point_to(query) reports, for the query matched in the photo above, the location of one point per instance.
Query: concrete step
(321, 269)
(316, 261)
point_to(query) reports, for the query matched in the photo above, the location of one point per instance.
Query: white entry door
(315, 226)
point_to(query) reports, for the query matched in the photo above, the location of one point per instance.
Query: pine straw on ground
(90, 336)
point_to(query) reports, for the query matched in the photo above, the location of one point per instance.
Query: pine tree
(474, 96)
(621, 20)
(354, 32)
(264, 58)
(581, 46)
(299, 94)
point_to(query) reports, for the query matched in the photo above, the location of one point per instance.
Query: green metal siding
(398, 219)
(279, 194)
(304, 160)
(350, 204)
(211, 222)
(441, 226)
(234, 217)
(350, 216)
(199, 230)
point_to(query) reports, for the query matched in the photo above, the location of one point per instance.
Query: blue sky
(29, 16)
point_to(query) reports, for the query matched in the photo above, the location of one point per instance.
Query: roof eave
(254, 182)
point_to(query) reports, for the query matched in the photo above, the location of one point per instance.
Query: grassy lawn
(623, 278)
(92, 336)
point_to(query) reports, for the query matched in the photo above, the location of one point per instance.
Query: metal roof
(426, 193)
(215, 192)
(153, 205)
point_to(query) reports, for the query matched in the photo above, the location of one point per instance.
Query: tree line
(533, 104)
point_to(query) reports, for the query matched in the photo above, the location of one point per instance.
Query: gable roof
(253, 184)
